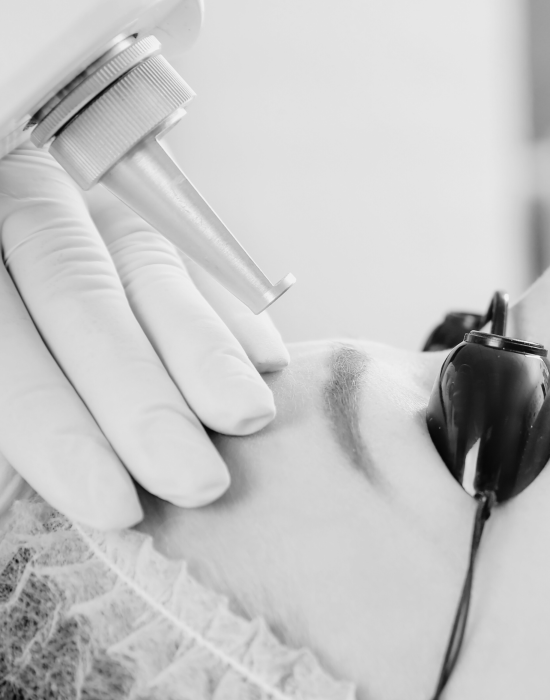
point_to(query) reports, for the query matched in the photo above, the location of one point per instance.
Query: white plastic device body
(45, 44)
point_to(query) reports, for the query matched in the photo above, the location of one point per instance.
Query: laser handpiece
(103, 127)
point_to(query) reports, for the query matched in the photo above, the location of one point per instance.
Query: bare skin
(360, 553)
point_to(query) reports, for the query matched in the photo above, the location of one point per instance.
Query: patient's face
(345, 530)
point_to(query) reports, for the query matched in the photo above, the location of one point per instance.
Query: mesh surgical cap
(95, 616)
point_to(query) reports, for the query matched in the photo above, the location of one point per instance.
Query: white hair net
(95, 616)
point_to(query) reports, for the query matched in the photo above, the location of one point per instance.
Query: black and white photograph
(274, 336)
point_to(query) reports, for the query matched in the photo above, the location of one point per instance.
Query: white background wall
(371, 147)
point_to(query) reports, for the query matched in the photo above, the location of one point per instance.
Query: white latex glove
(101, 338)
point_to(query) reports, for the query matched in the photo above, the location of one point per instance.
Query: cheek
(290, 544)
(291, 506)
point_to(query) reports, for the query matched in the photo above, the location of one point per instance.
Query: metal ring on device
(93, 86)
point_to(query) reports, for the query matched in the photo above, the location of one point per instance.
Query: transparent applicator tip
(151, 184)
(102, 127)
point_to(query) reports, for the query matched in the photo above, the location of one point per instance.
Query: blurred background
(393, 155)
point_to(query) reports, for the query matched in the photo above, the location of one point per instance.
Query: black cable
(485, 504)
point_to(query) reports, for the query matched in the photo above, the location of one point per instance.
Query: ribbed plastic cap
(136, 105)
(97, 78)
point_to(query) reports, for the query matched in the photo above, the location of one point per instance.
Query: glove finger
(69, 284)
(257, 334)
(47, 433)
(202, 356)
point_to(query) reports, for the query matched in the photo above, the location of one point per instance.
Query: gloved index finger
(202, 356)
(257, 334)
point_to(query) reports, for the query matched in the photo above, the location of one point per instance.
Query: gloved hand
(111, 355)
